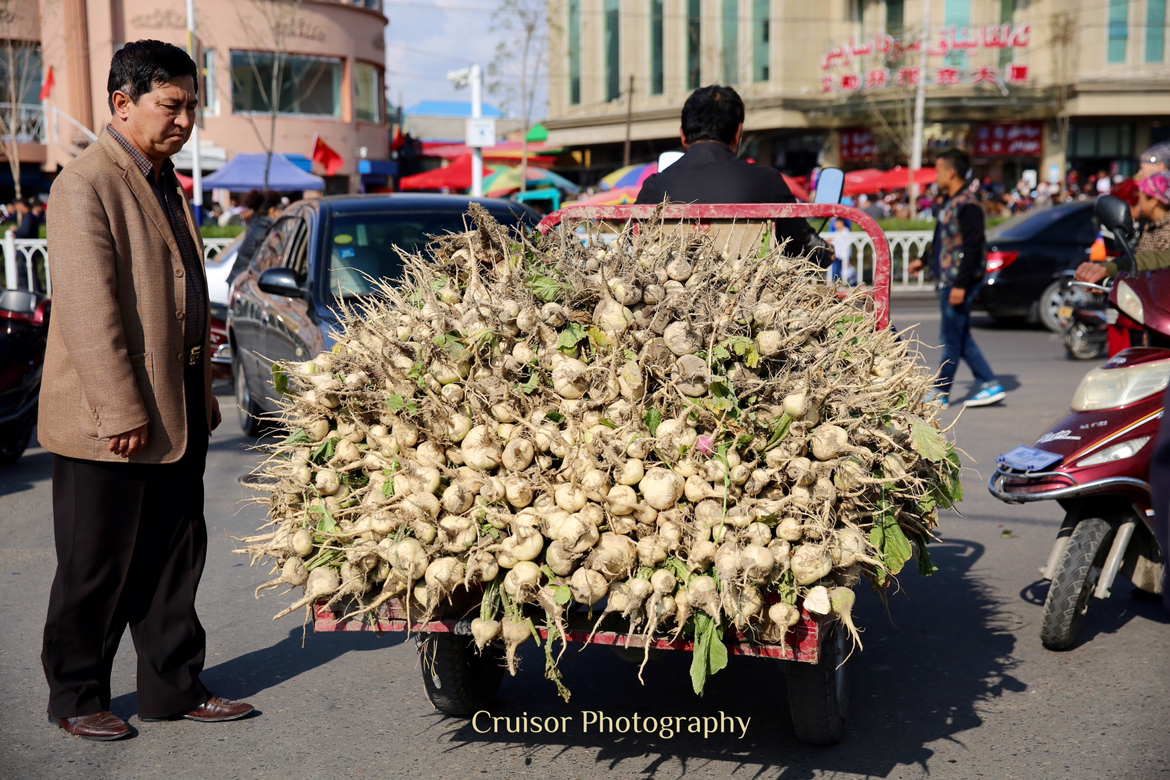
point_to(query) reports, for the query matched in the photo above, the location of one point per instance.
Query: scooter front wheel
(1073, 582)
(1080, 344)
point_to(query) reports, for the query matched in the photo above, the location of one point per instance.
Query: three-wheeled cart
(459, 680)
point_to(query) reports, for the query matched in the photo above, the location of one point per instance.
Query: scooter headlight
(1129, 302)
(1104, 388)
(1127, 449)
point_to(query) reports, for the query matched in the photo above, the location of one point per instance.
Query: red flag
(399, 140)
(50, 82)
(324, 154)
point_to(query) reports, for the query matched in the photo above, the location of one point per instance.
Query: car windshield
(1028, 225)
(363, 247)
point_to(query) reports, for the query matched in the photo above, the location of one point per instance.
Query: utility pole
(196, 165)
(476, 113)
(629, 121)
(920, 105)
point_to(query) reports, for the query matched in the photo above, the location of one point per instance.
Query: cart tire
(458, 679)
(818, 694)
(14, 440)
(1073, 583)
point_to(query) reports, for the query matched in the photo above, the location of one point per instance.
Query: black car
(316, 255)
(1028, 257)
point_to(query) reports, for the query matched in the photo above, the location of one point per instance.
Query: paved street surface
(952, 683)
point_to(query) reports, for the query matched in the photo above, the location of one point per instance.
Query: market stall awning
(456, 176)
(246, 172)
(899, 178)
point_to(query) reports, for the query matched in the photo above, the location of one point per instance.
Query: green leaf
(563, 594)
(532, 385)
(652, 418)
(296, 437)
(710, 654)
(927, 440)
(544, 288)
(570, 337)
(388, 487)
(325, 451)
(599, 338)
(608, 423)
(398, 403)
(926, 566)
(325, 522)
(279, 379)
(720, 353)
(554, 417)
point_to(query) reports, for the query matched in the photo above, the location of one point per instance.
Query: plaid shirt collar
(141, 160)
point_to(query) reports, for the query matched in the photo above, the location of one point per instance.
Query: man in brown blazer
(126, 409)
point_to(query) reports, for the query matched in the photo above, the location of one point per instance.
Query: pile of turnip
(699, 444)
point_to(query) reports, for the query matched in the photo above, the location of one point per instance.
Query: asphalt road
(952, 682)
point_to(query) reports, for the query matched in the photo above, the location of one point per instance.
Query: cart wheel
(458, 679)
(818, 694)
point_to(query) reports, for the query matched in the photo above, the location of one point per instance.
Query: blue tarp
(246, 172)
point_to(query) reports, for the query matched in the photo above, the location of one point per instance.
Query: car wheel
(1048, 307)
(248, 411)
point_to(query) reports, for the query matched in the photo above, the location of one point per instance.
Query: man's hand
(131, 443)
(216, 417)
(1091, 272)
(916, 266)
(958, 295)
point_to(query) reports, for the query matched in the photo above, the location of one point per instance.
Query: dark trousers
(958, 343)
(131, 542)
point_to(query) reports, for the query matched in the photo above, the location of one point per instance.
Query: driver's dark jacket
(710, 172)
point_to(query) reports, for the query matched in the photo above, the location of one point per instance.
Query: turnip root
(320, 583)
(817, 600)
(515, 632)
(841, 601)
(810, 562)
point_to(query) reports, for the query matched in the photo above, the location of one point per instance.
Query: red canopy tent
(899, 178)
(859, 182)
(456, 176)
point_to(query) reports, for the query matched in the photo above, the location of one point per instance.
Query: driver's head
(1154, 159)
(713, 114)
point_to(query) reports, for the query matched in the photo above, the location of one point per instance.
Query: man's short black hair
(712, 113)
(959, 161)
(139, 65)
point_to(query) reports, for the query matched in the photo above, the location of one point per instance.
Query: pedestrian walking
(126, 409)
(957, 261)
(842, 254)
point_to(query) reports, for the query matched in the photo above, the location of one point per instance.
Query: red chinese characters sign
(1009, 139)
(857, 143)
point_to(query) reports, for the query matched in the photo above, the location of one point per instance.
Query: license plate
(1029, 459)
(1064, 312)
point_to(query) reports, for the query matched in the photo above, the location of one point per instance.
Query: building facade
(1042, 85)
(321, 64)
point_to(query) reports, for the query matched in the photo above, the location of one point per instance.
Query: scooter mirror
(1114, 215)
(830, 185)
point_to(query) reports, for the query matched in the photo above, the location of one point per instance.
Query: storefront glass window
(574, 52)
(694, 39)
(761, 40)
(1155, 30)
(613, 75)
(730, 41)
(308, 86)
(367, 92)
(1118, 29)
(657, 77)
(23, 74)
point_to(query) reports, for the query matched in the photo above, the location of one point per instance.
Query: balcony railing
(39, 124)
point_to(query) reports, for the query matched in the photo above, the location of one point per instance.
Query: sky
(427, 38)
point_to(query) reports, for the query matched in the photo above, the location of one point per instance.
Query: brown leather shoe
(218, 709)
(101, 726)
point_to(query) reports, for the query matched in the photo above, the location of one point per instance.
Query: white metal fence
(26, 261)
(905, 245)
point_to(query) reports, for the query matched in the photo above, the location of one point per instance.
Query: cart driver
(712, 172)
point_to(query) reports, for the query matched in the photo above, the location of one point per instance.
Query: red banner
(1009, 139)
(857, 143)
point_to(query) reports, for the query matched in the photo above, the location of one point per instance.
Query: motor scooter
(1085, 315)
(1095, 461)
(24, 329)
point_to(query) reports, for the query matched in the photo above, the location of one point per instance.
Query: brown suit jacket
(115, 352)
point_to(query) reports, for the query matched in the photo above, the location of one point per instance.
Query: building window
(1118, 29)
(22, 76)
(895, 18)
(657, 75)
(207, 84)
(958, 14)
(761, 40)
(367, 92)
(1155, 30)
(694, 39)
(1007, 15)
(730, 41)
(308, 86)
(574, 52)
(613, 50)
